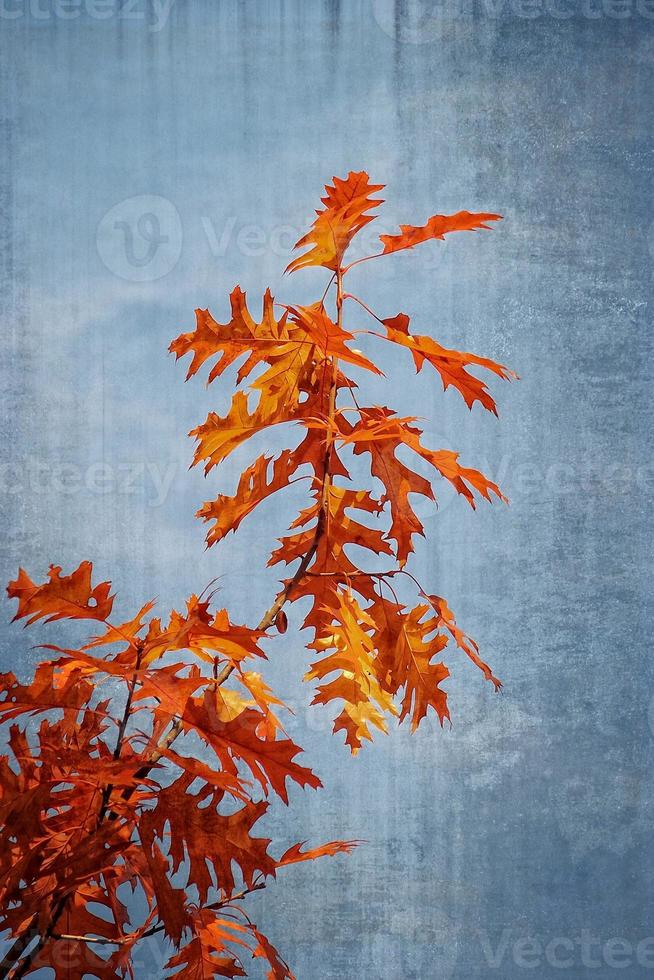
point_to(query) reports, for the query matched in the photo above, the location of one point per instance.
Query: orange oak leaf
(208, 953)
(171, 901)
(62, 596)
(341, 530)
(450, 364)
(346, 206)
(295, 854)
(206, 839)
(229, 341)
(437, 226)
(125, 632)
(462, 640)
(50, 689)
(255, 485)
(271, 761)
(328, 337)
(407, 644)
(381, 433)
(279, 970)
(219, 436)
(211, 777)
(205, 635)
(371, 435)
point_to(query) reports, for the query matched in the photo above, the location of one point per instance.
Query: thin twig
(135, 937)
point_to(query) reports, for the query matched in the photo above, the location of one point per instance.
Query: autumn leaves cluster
(376, 657)
(108, 802)
(140, 761)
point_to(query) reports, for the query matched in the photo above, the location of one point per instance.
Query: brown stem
(122, 728)
(323, 516)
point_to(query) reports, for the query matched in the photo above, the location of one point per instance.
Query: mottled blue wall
(533, 816)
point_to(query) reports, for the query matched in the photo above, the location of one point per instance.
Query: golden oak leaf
(450, 364)
(437, 226)
(347, 634)
(343, 216)
(62, 596)
(264, 699)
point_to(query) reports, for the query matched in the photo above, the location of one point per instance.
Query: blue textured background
(533, 816)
